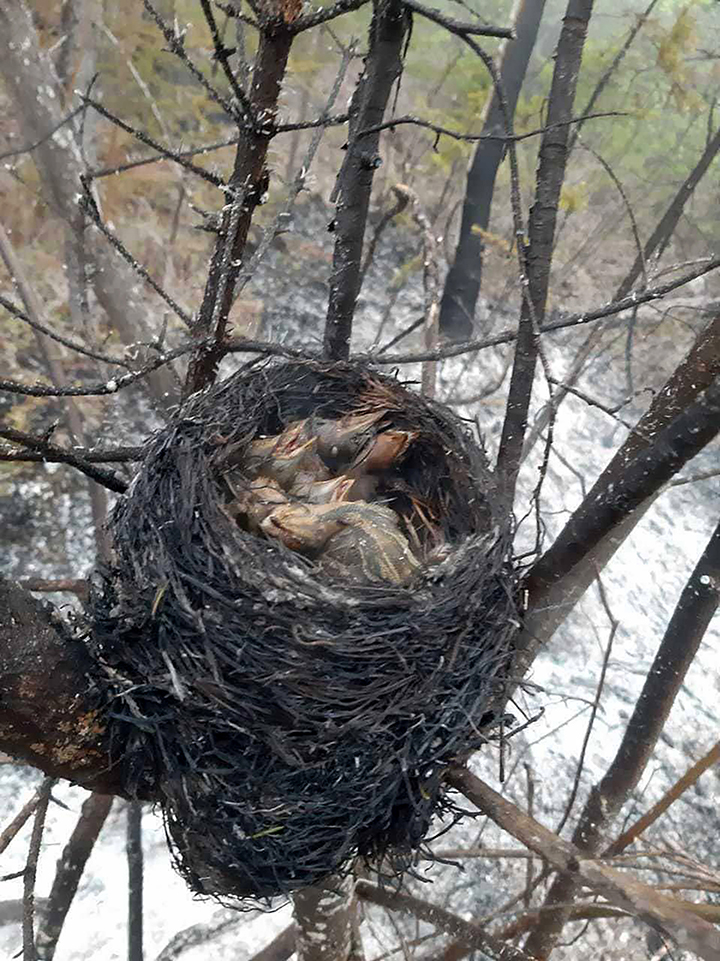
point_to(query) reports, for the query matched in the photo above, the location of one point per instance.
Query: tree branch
(471, 934)
(564, 572)
(50, 715)
(691, 933)
(541, 237)
(69, 871)
(697, 605)
(246, 189)
(383, 66)
(574, 320)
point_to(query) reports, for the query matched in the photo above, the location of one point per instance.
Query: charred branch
(388, 31)
(541, 237)
(659, 911)
(247, 187)
(69, 871)
(51, 716)
(697, 605)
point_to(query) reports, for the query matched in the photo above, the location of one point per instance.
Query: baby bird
(283, 463)
(340, 440)
(311, 491)
(255, 499)
(383, 451)
(355, 540)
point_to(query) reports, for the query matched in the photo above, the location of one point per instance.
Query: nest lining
(290, 718)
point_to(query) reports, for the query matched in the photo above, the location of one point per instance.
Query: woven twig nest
(290, 715)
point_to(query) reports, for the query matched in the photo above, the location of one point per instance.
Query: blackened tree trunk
(462, 286)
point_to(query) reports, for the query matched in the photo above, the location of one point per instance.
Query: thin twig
(65, 341)
(177, 48)
(164, 153)
(28, 148)
(60, 455)
(477, 137)
(614, 624)
(458, 26)
(88, 204)
(657, 810)
(574, 320)
(470, 932)
(221, 55)
(19, 820)
(70, 869)
(30, 873)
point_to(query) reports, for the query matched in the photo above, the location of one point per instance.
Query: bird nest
(308, 614)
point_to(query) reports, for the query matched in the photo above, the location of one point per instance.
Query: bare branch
(541, 237)
(19, 820)
(70, 869)
(479, 137)
(177, 48)
(164, 153)
(90, 207)
(53, 335)
(383, 66)
(247, 186)
(574, 320)
(563, 578)
(73, 585)
(457, 26)
(28, 926)
(657, 810)
(698, 603)
(691, 932)
(62, 456)
(221, 55)
(134, 852)
(324, 15)
(470, 933)
(201, 933)
(28, 148)
(49, 716)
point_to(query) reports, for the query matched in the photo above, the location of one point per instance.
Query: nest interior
(290, 719)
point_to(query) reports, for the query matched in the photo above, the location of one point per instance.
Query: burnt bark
(134, 851)
(324, 917)
(654, 247)
(464, 280)
(388, 32)
(50, 713)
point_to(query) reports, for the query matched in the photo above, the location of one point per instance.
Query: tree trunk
(30, 78)
(325, 920)
(462, 285)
